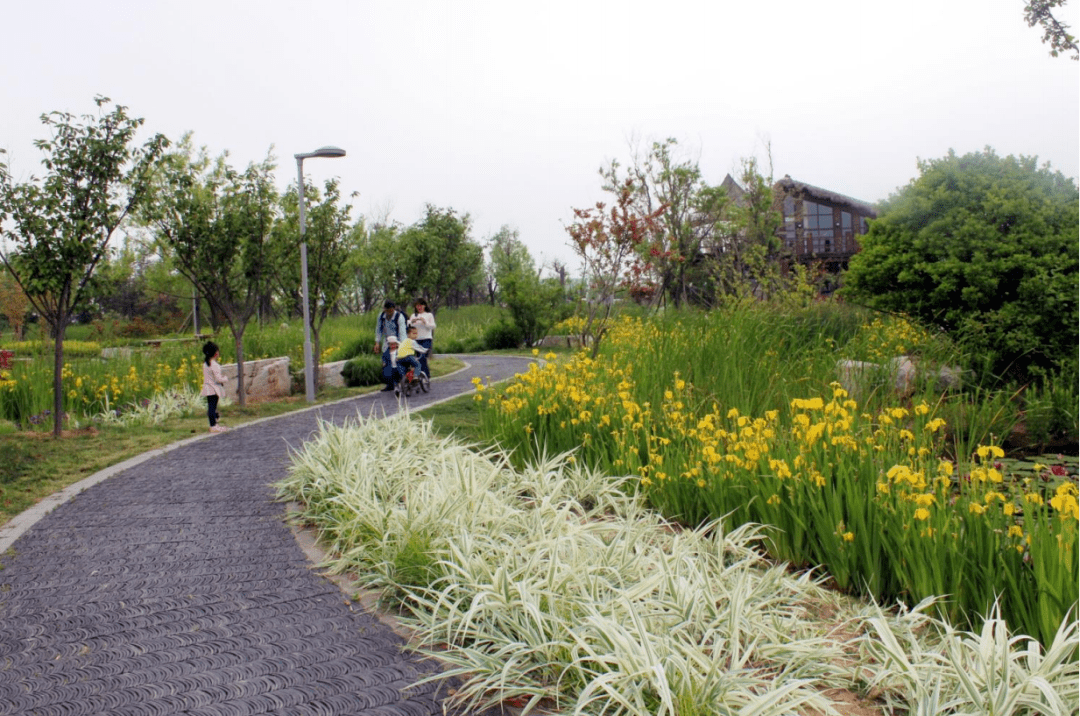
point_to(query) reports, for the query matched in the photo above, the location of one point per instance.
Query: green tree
(508, 255)
(373, 265)
(534, 304)
(121, 286)
(1055, 32)
(61, 225)
(437, 257)
(984, 247)
(744, 258)
(216, 223)
(329, 235)
(690, 212)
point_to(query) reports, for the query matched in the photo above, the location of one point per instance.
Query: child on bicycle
(406, 357)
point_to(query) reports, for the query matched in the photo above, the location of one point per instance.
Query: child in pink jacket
(213, 384)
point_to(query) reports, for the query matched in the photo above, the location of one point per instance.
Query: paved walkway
(174, 587)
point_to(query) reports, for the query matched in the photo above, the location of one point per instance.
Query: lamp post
(309, 366)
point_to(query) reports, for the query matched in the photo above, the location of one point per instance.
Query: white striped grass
(555, 585)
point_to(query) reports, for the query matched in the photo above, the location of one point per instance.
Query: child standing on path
(213, 384)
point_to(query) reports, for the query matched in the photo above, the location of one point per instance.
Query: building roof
(733, 188)
(809, 191)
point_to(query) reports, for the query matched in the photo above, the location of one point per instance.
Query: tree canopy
(666, 181)
(609, 243)
(985, 247)
(329, 236)
(216, 222)
(513, 279)
(62, 224)
(440, 258)
(1055, 32)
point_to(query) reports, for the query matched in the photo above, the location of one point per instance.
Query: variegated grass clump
(174, 402)
(555, 588)
(924, 667)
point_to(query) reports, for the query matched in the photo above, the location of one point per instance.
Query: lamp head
(323, 152)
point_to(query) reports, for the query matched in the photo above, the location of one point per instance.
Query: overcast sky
(505, 110)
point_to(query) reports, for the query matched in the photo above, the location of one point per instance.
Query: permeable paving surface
(175, 587)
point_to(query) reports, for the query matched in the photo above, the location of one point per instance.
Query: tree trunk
(316, 352)
(58, 377)
(241, 389)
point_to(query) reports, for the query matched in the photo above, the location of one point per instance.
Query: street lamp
(309, 366)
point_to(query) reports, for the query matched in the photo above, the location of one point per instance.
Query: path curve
(172, 585)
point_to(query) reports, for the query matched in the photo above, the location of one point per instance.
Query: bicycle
(413, 380)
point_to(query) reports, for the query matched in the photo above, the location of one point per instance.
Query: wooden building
(820, 226)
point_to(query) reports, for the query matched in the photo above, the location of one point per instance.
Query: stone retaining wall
(265, 379)
(330, 374)
(269, 378)
(900, 373)
(559, 341)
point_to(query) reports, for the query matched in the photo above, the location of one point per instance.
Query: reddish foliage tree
(608, 242)
(14, 303)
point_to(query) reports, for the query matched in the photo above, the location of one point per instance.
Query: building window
(788, 230)
(847, 242)
(818, 225)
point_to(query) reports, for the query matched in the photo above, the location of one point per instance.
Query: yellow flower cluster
(87, 394)
(1064, 501)
(889, 338)
(572, 326)
(686, 439)
(860, 487)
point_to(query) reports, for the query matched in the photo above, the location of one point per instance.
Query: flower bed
(869, 495)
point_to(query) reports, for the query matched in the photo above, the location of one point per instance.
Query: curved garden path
(171, 584)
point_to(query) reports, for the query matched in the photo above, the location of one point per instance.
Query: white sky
(505, 110)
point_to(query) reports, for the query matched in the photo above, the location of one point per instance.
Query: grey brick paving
(174, 587)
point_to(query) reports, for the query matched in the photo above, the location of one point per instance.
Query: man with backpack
(391, 323)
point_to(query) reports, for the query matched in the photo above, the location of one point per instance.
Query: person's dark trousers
(387, 370)
(426, 343)
(211, 409)
(403, 366)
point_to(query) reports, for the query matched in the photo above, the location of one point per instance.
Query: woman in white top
(425, 330)
(213, 384)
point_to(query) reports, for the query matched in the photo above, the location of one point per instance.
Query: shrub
(984, 247)
(502, 334)
(363, 370)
